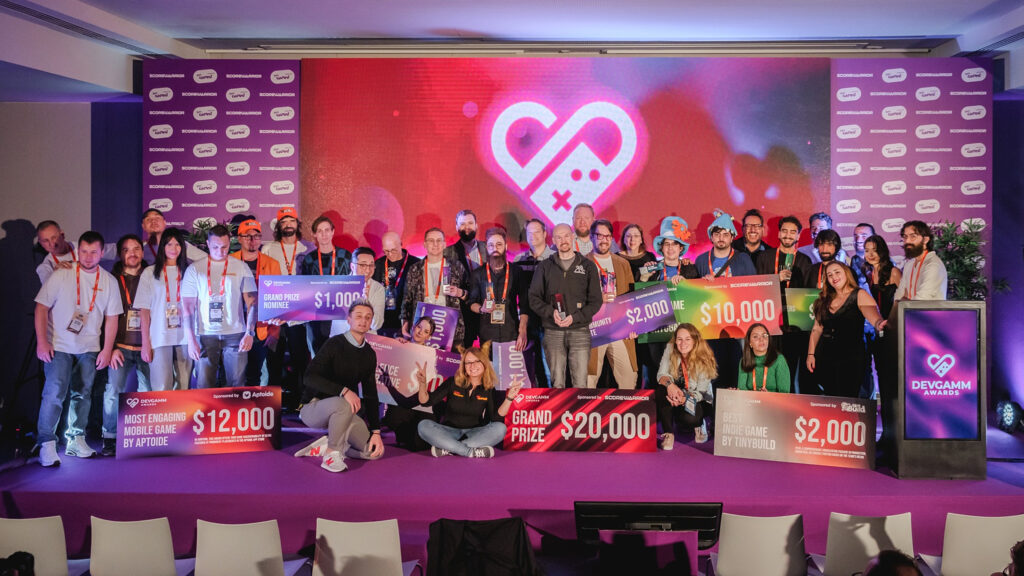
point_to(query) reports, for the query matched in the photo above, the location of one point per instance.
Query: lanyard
(78, 287)
(915, 276)
(127, 294)
(57, 262)
(820, 268)
(426, 276)
(764, 381)
(711, 262)
(223, 277)
(167, 286)
(289, 264)
(604, 273)
(504, 291)
(320, 260)
(679, 271)
(398, 277)
(686, 374)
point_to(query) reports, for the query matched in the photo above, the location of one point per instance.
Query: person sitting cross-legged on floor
(472, 423)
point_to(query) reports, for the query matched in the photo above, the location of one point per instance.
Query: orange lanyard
(223, 277)
(78, 287)
(167, 286)
(915, 276)
(398, 277)
(820, 268)
(127, 294)
(288, 265)
(764, 380)
(686, 374)
(711, 265)
(504, 291)
(57, 262)
(426, 276)
(604, 273)
(320, 260)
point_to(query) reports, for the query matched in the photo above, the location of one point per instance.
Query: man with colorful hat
(671, 244)
(722, 259)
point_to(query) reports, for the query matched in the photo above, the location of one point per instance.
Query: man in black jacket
(390, 270)
(566, 294)
(472, 254)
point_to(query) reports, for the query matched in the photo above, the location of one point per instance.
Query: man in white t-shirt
(219, 297)
(59, 252)
(78, 302)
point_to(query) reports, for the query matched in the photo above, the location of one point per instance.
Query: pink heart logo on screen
(132, 402)
(582, 176)
(941, 364)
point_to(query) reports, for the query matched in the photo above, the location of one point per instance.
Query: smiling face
(536, 236)
(602, 239)
(434, 243)
(633, 238)
(683, 342)
(860, 234)
(172, 250)
(871, 254)
(422, 332)
(753, 227)
(131, 254)
(671, 250)
(474, 367)
(582, 218)
(788, 235)
(360, 318)
(563, 237)
(827, 251)
(836, 276)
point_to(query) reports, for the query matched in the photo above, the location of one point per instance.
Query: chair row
(145, 547)
(774, 546)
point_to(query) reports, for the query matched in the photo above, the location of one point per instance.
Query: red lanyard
(679, 270)
(426, 282)
(764, 381)
(320, 260)
(57, 262)
(686, 374)
(604, 273)
(711, 261)
(223, 277)
(127, 294)
(78, 287)
(289, 265)
(504, 291)
(167, 286)
(820, 268)
(398, 277)
(915, 276)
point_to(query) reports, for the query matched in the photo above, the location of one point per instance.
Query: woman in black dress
(837, 355)
(883, 277)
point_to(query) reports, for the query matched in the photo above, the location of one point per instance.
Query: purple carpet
(417, 489)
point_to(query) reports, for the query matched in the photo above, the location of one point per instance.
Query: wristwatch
(250, 333)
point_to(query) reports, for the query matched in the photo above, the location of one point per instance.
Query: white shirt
(239, 281)
(64, 296)
(929, 279)
(47, 266)
(278, 252)
(152, 296)
(375, 294)
(431, 274)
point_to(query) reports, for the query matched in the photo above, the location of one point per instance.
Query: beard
(825, 257)
(497, 261)
(288, 232)
(467, 236)
(913, 250)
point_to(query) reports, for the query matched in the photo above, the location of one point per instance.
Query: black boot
(109, 447)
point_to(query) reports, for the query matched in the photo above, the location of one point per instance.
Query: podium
(940, 414)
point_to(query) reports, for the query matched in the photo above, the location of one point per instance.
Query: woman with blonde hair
(473, 421)
(684, 394)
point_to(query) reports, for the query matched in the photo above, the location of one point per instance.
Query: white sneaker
(438, 452)
(482, 452)
(78, 447)
(48, 454)
(668, 441)
(315, 448)
(334, 462)
(700, 434)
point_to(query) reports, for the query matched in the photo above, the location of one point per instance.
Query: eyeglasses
(251, 236)
(602, 236)
(753, 226)
(473, 363)
(364, 265)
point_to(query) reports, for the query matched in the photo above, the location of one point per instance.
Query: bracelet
(810, 353)
(377, 432)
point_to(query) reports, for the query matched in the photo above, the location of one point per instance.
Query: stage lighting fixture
(1009, 414)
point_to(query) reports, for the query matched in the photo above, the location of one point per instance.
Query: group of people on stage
(168, 310)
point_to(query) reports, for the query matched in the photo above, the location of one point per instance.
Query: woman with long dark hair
(837, 355)
(634, 250)
(164, 344)
(883, 277)
(762, 368)
(684, 394)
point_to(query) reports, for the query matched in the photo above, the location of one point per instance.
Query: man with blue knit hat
(671, 244)
(722, 259)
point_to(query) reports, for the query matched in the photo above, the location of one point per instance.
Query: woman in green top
(762, 368)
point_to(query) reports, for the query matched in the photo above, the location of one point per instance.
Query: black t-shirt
(636, 263)
(507, 331)
(465, 407)
(134, 337)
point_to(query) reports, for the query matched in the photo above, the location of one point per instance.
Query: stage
(541, 487)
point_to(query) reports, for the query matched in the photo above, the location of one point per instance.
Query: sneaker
(482, 452)
(316, 448)
(668, 441)
(78, 447)
(48, 454)
(438, 452)
(700, 434)
(334, 462)
(109, 447)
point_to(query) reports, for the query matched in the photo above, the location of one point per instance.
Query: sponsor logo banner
(821, 430)
(307, 298)
(571, 419)
(201, 421)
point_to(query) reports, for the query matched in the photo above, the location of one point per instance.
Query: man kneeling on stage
(331, 397)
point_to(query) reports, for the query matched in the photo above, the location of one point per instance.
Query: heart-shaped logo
(132, 402)
(582, 176)
(268, 282)
(941, 364)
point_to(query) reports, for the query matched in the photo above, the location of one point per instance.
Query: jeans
(572, 347)
(171, 368)
(58, 381)
(212, 349)
(450, 439)
(115, 386)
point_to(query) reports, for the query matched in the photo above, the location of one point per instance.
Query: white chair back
(853, 540)
(771, 546)
(238, 549)
(43, 538)
(131, 548)
(357, 548)
(975, 545)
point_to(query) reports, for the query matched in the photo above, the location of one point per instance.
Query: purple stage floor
(417, 489)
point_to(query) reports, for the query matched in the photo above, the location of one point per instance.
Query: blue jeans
(450, 439)
(212, 349)
(115, 386)
(570, 346)
(58, 381)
